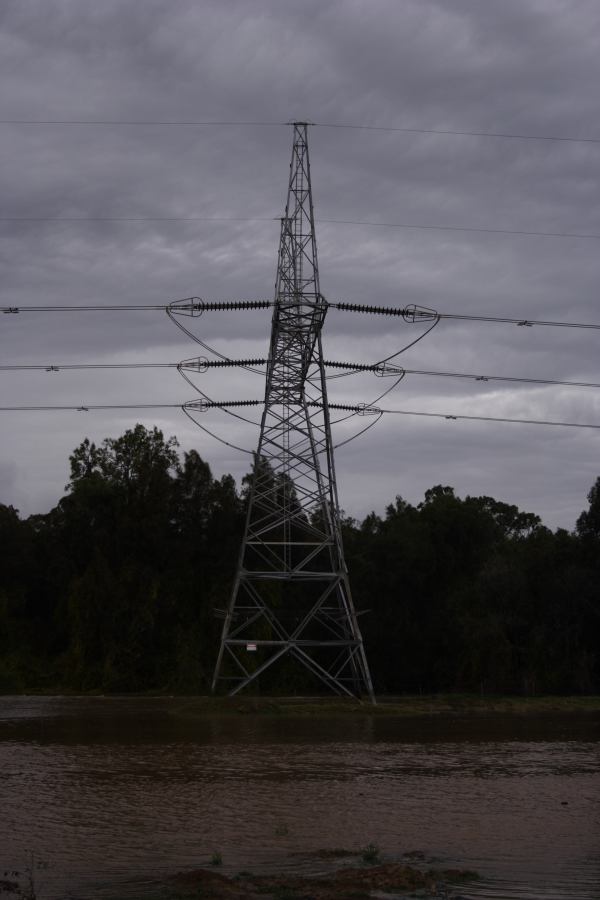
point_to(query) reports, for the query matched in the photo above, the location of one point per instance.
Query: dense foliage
(115, 589)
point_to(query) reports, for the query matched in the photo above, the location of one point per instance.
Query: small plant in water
(284, 893)
(281, 830)
(370, 854)
(216, 859)
(24, 888)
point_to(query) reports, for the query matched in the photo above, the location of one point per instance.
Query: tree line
(115, 589)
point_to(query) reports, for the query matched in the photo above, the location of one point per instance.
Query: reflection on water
(110, 793)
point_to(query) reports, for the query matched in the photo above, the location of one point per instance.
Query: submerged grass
(406, 705)
(370, 854)
(343, 884)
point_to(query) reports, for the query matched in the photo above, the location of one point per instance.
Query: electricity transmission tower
(291, 596)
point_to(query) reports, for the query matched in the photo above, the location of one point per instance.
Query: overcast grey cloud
(521, 67)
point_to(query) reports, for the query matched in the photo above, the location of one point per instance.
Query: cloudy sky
(503, 67)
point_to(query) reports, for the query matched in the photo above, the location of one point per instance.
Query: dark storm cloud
(512, 66)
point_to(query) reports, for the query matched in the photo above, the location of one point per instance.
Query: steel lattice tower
(291, 596)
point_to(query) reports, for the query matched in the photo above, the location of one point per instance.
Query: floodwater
(104, 798)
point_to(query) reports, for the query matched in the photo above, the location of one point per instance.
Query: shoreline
(438, 705)
(403, 706)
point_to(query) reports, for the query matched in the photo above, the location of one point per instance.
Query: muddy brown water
(105, 798)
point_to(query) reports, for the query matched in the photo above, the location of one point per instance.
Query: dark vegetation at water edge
(499, 708)
(355, 883)
(364, 873)
(115, 588)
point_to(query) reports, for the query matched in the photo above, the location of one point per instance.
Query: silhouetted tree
(116, 588)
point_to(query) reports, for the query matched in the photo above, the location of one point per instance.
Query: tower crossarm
(361, 409)
(202, 364)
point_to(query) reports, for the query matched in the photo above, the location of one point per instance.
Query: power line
(134, 123)
(449, 131)
(411, 312)
(57, 367)
(104, 307)
(86, 407)
(471, 228)
(358, 410)
(412, 412)
(137, 123)
(51, 367)
(139, 219)
(364, 223)
(188, 305)
(507, 378)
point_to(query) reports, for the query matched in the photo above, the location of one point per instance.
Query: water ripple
(107, 802)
